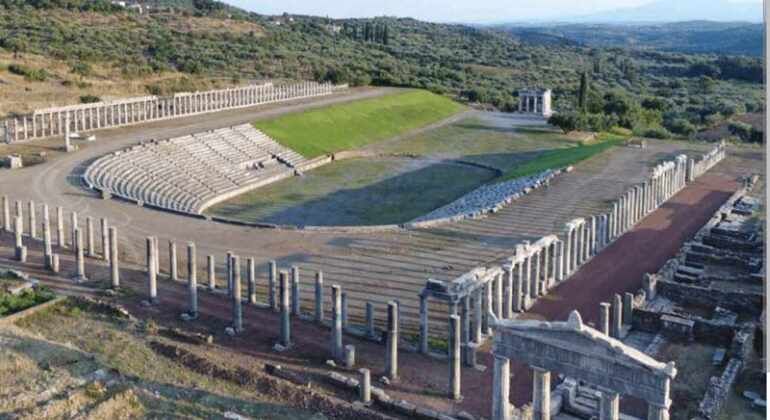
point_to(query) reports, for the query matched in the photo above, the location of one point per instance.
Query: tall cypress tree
(583, 92)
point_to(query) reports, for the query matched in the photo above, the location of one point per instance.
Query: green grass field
(356, 124)
(562, 157)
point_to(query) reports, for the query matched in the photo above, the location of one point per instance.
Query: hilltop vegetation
(687, 37)
(207, 39)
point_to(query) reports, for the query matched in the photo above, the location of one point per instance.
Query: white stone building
(535, 101)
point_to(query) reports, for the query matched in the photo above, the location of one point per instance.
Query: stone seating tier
(183, 173)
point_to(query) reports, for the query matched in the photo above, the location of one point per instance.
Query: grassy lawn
(352, 125)
(562, 157)
(366, 191)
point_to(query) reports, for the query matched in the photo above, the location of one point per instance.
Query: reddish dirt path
(423, 380)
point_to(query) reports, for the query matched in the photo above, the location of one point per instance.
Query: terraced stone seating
(190, 173)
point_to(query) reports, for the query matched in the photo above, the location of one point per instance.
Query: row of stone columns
(714, 156)
(86, 117)
(82, 240)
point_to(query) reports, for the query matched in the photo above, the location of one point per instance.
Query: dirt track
(618, 269)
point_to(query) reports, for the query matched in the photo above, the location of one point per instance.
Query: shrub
(655, 133)
(35, 75)
(89, 99)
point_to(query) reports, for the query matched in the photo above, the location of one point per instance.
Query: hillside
(66, 51)
(735, 38)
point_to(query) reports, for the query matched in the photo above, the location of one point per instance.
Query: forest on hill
(637, 88)
(728, 38)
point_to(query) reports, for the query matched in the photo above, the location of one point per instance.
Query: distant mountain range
(680, 10)
(732, 38)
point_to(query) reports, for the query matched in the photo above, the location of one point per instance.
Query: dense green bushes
(31, 74)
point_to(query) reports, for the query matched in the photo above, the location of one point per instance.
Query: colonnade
(88, 117)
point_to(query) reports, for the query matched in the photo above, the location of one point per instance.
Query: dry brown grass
(65, 87)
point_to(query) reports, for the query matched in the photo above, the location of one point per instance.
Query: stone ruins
(482, 304)
(581, 352)
(62, 121)
(535, 101)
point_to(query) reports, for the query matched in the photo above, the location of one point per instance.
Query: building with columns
(535, 101)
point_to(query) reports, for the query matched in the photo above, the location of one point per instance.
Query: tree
(566, 122)
(583, 92)
(741, 130)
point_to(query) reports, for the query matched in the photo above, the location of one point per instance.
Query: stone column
(105, 240)
(501, 387)
(114, 269)
(192, 278)
(319, 297)
(498, 298)
(344, 301)
(271, 279)
(535, 278)
(80, 257)
(47, 245)
(172, 265)
(617, 317)
(517, 290)
(251, 278)
(18, 239)
(6, 214)
(560, 261)
(211, 265)
(541, 394)
(486, 302)
(628, 308)
(392, 342)
(525, 281)
(285, 314)
(424, 324)
(609, 406)
(336, 337)
(90, 237)
(365, 387)
(236, 296)
(152, 276)
(73, 225)
(295, 291)
(60, 239)
(477, 315)
(31, 218)
(657, 412)
(19, 214)
(454, 358)
(508, 292)
(604, 318)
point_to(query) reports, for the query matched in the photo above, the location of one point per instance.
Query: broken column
(21, 250)
(336, 336)
(319, 297)
(617, 317)
(628, 308)
(152, 276)
(90, 237)
(192, 278)
(604, 318)
(6, 214)
(271, 279)
(105, 240)
(212, 272)
(285, 310)
(32, 222)
(114, 269)
(295, 291)
(365, 386)
(80, 257)
(172, 263)
(392, 342)
(251, 278)
(236, 294)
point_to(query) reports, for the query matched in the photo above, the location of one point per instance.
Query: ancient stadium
(471, 264)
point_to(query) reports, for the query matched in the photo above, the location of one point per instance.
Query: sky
(470, 11)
